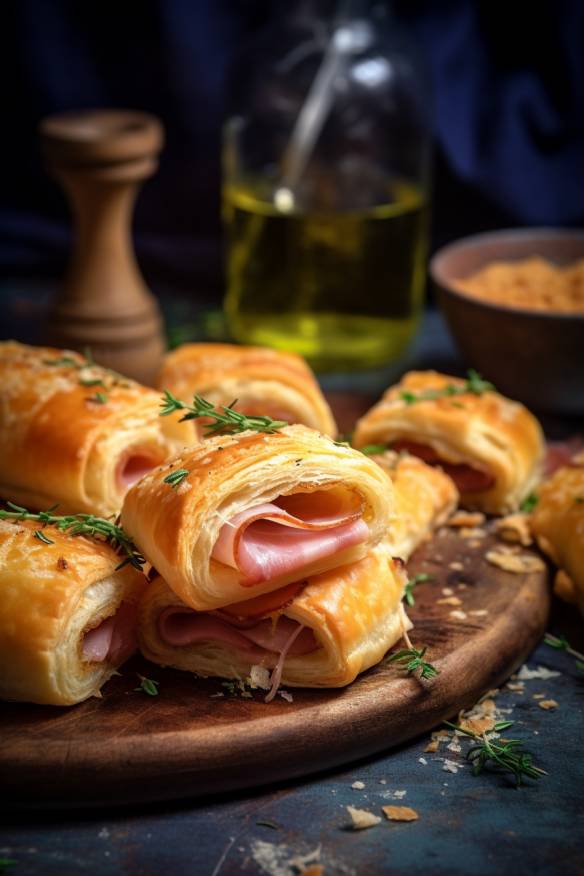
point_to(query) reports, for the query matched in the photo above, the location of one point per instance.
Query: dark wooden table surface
(479, 825)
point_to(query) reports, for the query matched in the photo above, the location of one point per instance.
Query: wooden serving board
(130, 747)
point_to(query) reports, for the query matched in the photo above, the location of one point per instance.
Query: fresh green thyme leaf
(413, 582)
(506, 756)
(265, 822)
(38, 533)
(176, 477)
(473, 384)
(412, 660)
(100, 398)
(67, 361)
(529, 503)
(373, 449)
(99, 528)
(342, 443)
(226, 420)
(148, 685)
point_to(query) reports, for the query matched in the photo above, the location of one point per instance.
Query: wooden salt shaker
(100, 157)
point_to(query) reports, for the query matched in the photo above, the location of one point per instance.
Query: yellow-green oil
(344, 288)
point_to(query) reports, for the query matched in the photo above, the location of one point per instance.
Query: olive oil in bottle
(344, 288)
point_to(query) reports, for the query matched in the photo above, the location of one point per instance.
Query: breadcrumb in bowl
(531, 355)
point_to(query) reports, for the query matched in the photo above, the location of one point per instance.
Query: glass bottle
(325, 188)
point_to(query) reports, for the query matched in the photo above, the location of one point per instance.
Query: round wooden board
(130, 747)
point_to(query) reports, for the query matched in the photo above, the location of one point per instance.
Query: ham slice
(133, 466)
(284, 536)
(179, 627)
(114, 639)
(468, 478)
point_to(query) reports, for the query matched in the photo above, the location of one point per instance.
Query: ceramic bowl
(536, 357)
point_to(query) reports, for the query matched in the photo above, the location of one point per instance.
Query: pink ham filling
(284, 536)
(467, 478)
(133, 468)
(179, 627)
(114, 640)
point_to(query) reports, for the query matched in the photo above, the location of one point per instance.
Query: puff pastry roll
(558, 525)
(67, 617)
(425, 497)
(74, 433)
(491, 447)
(321, 632)
(256, 511)
(264, 382)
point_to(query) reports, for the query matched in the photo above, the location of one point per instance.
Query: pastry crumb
(259, 676)
(457, 615)
(423, 761)
(450, 766)
(479, 612)
(466, 519)
(447, 591)
(526, 674)
(358, 786)
(516, 686)
(362, 818)
(514, 528)
(472, 532)
(548, 704)
(456, 566)
(286, 695)
(516, 563)
(400, 813)
(449, 600)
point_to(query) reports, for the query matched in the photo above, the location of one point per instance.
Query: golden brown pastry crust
(486, 430)
(355, 612)
(262, 380)
(177, 528)
(57, 445)
(50, 595)
(558, 525)
(425, 498)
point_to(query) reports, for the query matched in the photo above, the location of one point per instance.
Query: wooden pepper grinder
(100, 157)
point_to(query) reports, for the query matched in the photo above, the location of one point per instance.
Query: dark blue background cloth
(507, 79)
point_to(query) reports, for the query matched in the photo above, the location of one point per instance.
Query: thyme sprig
(413, 582)
(474, 384)
(506, 756)
(226, 420)
(412, 660)
(560, 643)
(98, 528)
(147, 685)
(90, 380)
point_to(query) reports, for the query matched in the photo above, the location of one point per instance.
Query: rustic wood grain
(129, 747)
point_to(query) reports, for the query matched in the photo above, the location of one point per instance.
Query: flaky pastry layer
(425, 497)
(50, 596)
(487, 431)
(354, 611)
(558, 525)
(177, 528)
(269, 381)
(66, 431)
